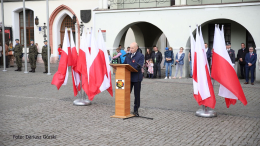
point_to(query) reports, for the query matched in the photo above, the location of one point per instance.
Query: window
(29, 18)
(227, 33)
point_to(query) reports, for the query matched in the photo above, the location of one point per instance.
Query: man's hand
(249, 64)
(241, 59)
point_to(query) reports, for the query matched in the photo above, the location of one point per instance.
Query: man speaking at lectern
(136, 60)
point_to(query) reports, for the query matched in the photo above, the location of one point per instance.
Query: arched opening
(234, 33)
(55, 23)
(145, 34)
(67, 22)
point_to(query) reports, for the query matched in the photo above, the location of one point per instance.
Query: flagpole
(48, 36)
(205, 112)
(3, 34)
(24, 35)
(81, 101)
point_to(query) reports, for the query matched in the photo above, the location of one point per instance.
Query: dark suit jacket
(242, 54)
(251, 59)
(139, 58)
(231, 54)
(208, 53)
(158, 57)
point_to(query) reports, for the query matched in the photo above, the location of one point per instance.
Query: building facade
(148, 22)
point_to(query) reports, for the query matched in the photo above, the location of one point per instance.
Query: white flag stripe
(201, 71)
(204, 49)
(101, 45)
(66, 44)
(192, 46)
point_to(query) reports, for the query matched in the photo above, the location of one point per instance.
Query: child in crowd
(150, 68)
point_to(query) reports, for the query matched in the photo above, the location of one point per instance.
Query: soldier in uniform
(32, 53)
(45, 55)
(231, 52)
(18, 49)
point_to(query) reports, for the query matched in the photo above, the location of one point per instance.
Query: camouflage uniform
(32, 53)
(18, 54)
(45, 56)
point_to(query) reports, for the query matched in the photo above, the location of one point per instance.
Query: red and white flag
(61, 76)
(203, 48)
(205, 94)
(82, 61)
(74, 71)
(194, 64)
(97, 68)
(107, 83)
(223, 71)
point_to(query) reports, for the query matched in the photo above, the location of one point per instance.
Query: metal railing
(205, 2)
(124, 4)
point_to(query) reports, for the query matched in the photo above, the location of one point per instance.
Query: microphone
(126, 54)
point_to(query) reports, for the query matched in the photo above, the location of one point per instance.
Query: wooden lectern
(123, 85)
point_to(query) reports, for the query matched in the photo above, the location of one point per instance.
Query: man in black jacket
(157, 59)
(241, 59)
(231, 52)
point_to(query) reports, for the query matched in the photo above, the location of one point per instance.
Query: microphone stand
(138, 79)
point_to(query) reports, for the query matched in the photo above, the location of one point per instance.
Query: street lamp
(81, 26)
(43, 27)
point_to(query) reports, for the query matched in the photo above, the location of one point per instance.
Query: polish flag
(61, 76)
(205, 94)
(203, 48)
(74, 71)
(97, 68)
(107, 83)
(223, 71)
(194, 65)
(82, 63)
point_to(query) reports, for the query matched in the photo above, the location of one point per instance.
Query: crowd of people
(246, 58)
(15, 53)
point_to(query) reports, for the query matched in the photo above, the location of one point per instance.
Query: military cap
(16, 39)
(228, 44)
(31, 40)
(45, 41)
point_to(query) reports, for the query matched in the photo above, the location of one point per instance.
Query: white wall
(175, 21)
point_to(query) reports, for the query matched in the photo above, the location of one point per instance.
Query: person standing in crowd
(157, 59)
(231, 53)
(6, 55)
(122, 56)
(11, 54)
(168, 59)
(60, 50)
(117, 56)
(139, 50)
(208, 53)
(250, 60)
(120, 47)
(32, 53)
(179, 62)
(150, 67)
(190, 62)
(45, 55)
(136, 77)
(164, 62)
(241, 59)
(128, 50)
(148, 56)
(108, 53)
(18, 49)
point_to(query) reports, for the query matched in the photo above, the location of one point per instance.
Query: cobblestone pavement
(30, 105)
